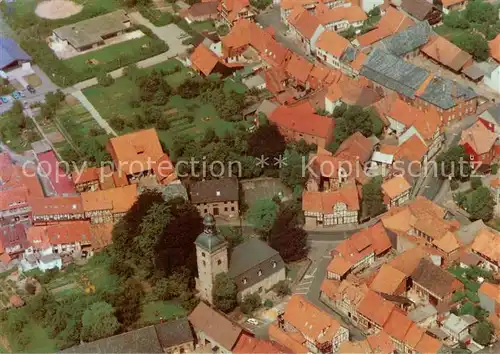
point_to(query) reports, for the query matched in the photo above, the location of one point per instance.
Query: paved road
(95, 114)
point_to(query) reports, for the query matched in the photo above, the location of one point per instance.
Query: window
(244, 280)
(259, 272)
(274, 264)
(203, 254)
(204, 263)
(219, 262)
(232, 208)
(225, 209)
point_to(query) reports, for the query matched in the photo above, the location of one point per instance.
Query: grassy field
(203, 26)
(448, 32)
(115, 100)
(152, 311)
(108, 54)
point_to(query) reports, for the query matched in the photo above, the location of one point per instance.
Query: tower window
(244, 280)
(203, 254)
(259, 272)
(219, 262)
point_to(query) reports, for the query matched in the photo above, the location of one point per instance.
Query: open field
(152, 312)
(115, 100)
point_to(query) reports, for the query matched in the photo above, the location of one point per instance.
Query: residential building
(393, 21)
(458, 327)
(175, 336)
(450, 5)
(18, 185)
(343, 297)
(407, 43)
(309, 327)
(489, 297)
(434, 284)
(422, 10)
(214, 332)
(13, 241)
(231, 11)
(254, 266)
(347, 90)
(218, 197)
(331, 208)
(492, 75)
(491, 119)
(330, 47)
(300, 122)
(487, 246)
(93, 178)
(390, 281)
(205, 62)
(298, 70)
(306, 27)
(340, 18)
(202, 11)
(139, 154)
(50, 167)
(249, 344)
(108, 206)
(90, 33)
(397, 327)
(445, 53)
(373, 312)
(357, 147)
(396, 191)
(56, 209)
(12, 55)
(479, 143)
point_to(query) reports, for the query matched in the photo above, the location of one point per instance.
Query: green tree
(173, 286)
(282, 288)
(455, 19)
(223, 30)
(127, 301)
(224, 293)
(339, 110)
(480, 12)
(482, 333)
(475, 182)
(99, 321)
(292, 173)
(454, 163)
(373, 200)
(349, 33)
(250, 303)
(104, 79)
(262, 214)
(473, 43)
(481, 204)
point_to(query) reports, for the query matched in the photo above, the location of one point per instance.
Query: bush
(454, 184)
(30, 288)
(251, 303)
(475, 182)
(282, 288)
(94, 131)
(494, 169)
(105, 79)
(268, 303)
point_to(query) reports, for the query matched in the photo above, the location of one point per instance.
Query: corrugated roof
(408, 40)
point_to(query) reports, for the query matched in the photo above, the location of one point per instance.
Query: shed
(11, 54)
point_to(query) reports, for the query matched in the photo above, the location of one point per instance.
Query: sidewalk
(95, 114)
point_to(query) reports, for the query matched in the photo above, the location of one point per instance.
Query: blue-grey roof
(10, 52)
(408, 40)
(393, 72)
(349, 55)
(444, 92)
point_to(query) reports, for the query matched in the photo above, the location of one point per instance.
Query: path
(86, 103)
(28, 112)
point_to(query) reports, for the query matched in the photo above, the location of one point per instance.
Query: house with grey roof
(254, 266)
(94, 31)
(445, 93)
(491, 118)
(407, 43)
(218, 197)
(393, 73)
(11, 54)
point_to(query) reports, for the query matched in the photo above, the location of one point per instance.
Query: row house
(350, 91)
(140, 155)
(408, 43)
(335, 51)
(306, 27)
(344, 296)
(309, 327)
(331, 208)
(418, 87)
(422, 10)
(98, 178)
(300, 122)
(480, 144)
(17, 186)
(56, 209)
(396, 191)
(108, 206)
(298, 71)
(230, 11)
(341, 18)
(358, 252)
(64, 237)
(486, 245)
(288, 6)
(390, 281)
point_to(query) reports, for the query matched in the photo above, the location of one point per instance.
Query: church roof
(249, 255)
(209, 239)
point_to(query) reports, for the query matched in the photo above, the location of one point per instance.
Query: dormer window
(259, 272)
(244, 280)
(275, 264)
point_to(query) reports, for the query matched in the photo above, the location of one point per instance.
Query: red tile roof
(428, 345)
(67, 232)
(302, 119)
(57, 176)
(375, 308)
(249, 344)
(495, 48)
(332, 43)
(443, 51)
(299, 68)
(412, 149)
(397, 325)
(57, 205)
(392, 22)
(283, 338)
(479, 138)
(117, 200)
(324, 202)
(388, 280)
(305, 23)
(350, 14)
(12, 236)
(381, 343)
(356, 147)
(204, 59)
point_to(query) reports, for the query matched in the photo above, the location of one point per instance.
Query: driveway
(273, 18)
(170, 34)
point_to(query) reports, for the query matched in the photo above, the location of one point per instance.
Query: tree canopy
(262, 214)
(481, 204)
(454, 163)
(373, 200)
(99, 322)
(224, 293)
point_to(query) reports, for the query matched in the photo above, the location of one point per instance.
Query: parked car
(31, 89)
(5, 99)
(253, 321)
(16, 95)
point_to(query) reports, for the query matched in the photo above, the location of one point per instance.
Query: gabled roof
(305, 23)
(204, 59)
(350, 14)
(299, 68)
(10, 52)
(392, 22)
(408, 261)
(248, 255)
(57, 205)
(492, 115)
(495, 48)
(324, 202)
(117, 200)
(214, 190)
(444, 93)
(393, 73)
(479, 138)
(434, 279)
(215, 325)
(443, 51)
(487, 243)
(491, 290)
(388, 280)
(67, 232)
(249, 344)
(412, 149)
(375, 308)
(395, 186)
(419, 9)
(408, 40)
(397, 325)
(302, 119)
(332, 43)
(355, 147)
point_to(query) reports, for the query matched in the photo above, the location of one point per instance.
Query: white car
(253, 321)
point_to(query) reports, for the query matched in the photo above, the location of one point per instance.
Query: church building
(253, 265)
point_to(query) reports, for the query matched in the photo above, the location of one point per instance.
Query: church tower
(211, 257)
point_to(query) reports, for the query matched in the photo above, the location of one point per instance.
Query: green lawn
(17, 139)
(108, 54)
(202, 26)
(115, 100)
(152, 311)
(448, 32)
(468, 276)
(40, 343)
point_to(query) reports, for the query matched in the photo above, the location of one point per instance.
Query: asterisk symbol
(280, 161)
(262, 161)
